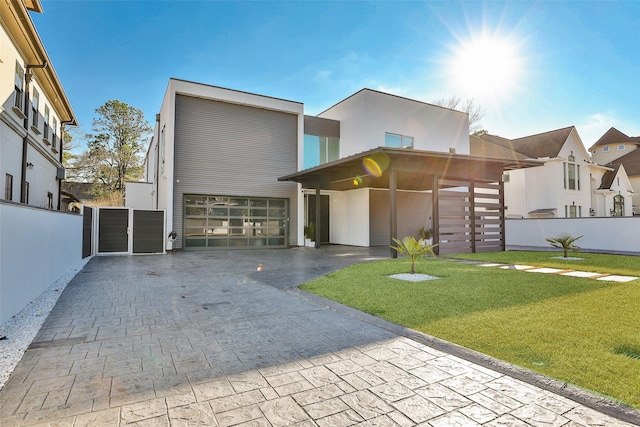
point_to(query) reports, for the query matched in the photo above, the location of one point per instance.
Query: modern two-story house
(242, 170)
(33, 112)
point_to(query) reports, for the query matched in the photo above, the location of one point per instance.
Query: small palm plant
(413, 249)
(564, 241)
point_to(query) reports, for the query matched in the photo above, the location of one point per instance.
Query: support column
(435, 213)
(318, 214)
(472, 208)
(393, 209)
(503, 214)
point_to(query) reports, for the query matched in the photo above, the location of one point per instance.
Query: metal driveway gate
(129, 231)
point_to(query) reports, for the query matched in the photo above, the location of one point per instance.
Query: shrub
(413, 249)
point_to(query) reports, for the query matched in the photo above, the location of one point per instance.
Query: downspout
(157, 180)
(25, 140)
(71, 122)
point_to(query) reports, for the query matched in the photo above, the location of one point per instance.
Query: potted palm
(310, 235)
(426, 236)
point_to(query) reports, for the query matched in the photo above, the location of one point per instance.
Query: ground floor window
(49, 200)
(8, 187)
(221, 221)
(618, 205)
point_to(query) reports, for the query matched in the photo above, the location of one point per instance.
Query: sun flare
(486, 68)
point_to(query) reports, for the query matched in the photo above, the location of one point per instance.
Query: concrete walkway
(205, 339)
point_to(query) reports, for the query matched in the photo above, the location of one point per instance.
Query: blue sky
(533, 66)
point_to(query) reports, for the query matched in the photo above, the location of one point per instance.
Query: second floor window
(571, 174)
(34, 107)
(46, 122)
(19, 87)
(394, 140)
(54, 131)
(319, 150)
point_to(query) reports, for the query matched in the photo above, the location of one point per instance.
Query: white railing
(614, 234)
(37, 246)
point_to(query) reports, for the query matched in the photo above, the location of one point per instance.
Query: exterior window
(34, 108)
(8, 187)
(571, 174)
(46, 122)
(621, 147)
(618, 205)
(605, 149)
(594, 151)
(19, 87)
(49, 200)
(319, 150)
(394, 140)
(54, 130)
(571, 211)
(26, 192)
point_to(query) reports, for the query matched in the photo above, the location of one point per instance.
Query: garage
(217, 222)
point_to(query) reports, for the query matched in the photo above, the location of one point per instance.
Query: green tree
(116, 147)
(564, 241)
(413, 249)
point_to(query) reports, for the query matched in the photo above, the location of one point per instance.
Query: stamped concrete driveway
(205, 339)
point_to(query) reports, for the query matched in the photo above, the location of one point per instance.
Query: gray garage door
(214, 222)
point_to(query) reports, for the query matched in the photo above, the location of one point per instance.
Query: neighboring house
(614, 149)
(567, 185)
(33, 113)
(235, 169)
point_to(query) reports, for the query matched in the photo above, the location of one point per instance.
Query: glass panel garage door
(222, 222)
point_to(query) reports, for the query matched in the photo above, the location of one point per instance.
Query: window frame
(45, 121)
(8, 187)
(54, 128)
(605, 149)
(49, 200)
(571, 173)
(403, 138)
(618, 205)
(621, 147)
(18, 84)
(35, 105)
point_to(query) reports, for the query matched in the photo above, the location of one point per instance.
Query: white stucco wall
(138, 195)
(349, 217)
(367, 115)
(619, 234)
(37, 246)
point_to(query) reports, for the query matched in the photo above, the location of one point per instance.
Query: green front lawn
(568, 328)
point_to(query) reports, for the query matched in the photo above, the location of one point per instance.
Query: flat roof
(415, 169)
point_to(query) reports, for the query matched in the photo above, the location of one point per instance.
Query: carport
(467, 192)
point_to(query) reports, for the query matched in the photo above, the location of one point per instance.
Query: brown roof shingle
(630, 161)
(547, 144)
(614, 136)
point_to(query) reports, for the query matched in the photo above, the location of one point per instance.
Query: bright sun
(486, 68)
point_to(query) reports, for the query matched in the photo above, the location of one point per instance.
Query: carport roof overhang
(415, 169)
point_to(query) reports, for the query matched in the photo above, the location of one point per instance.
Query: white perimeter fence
(37, 247)
(615, 234)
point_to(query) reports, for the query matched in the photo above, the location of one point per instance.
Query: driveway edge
(587, 398)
